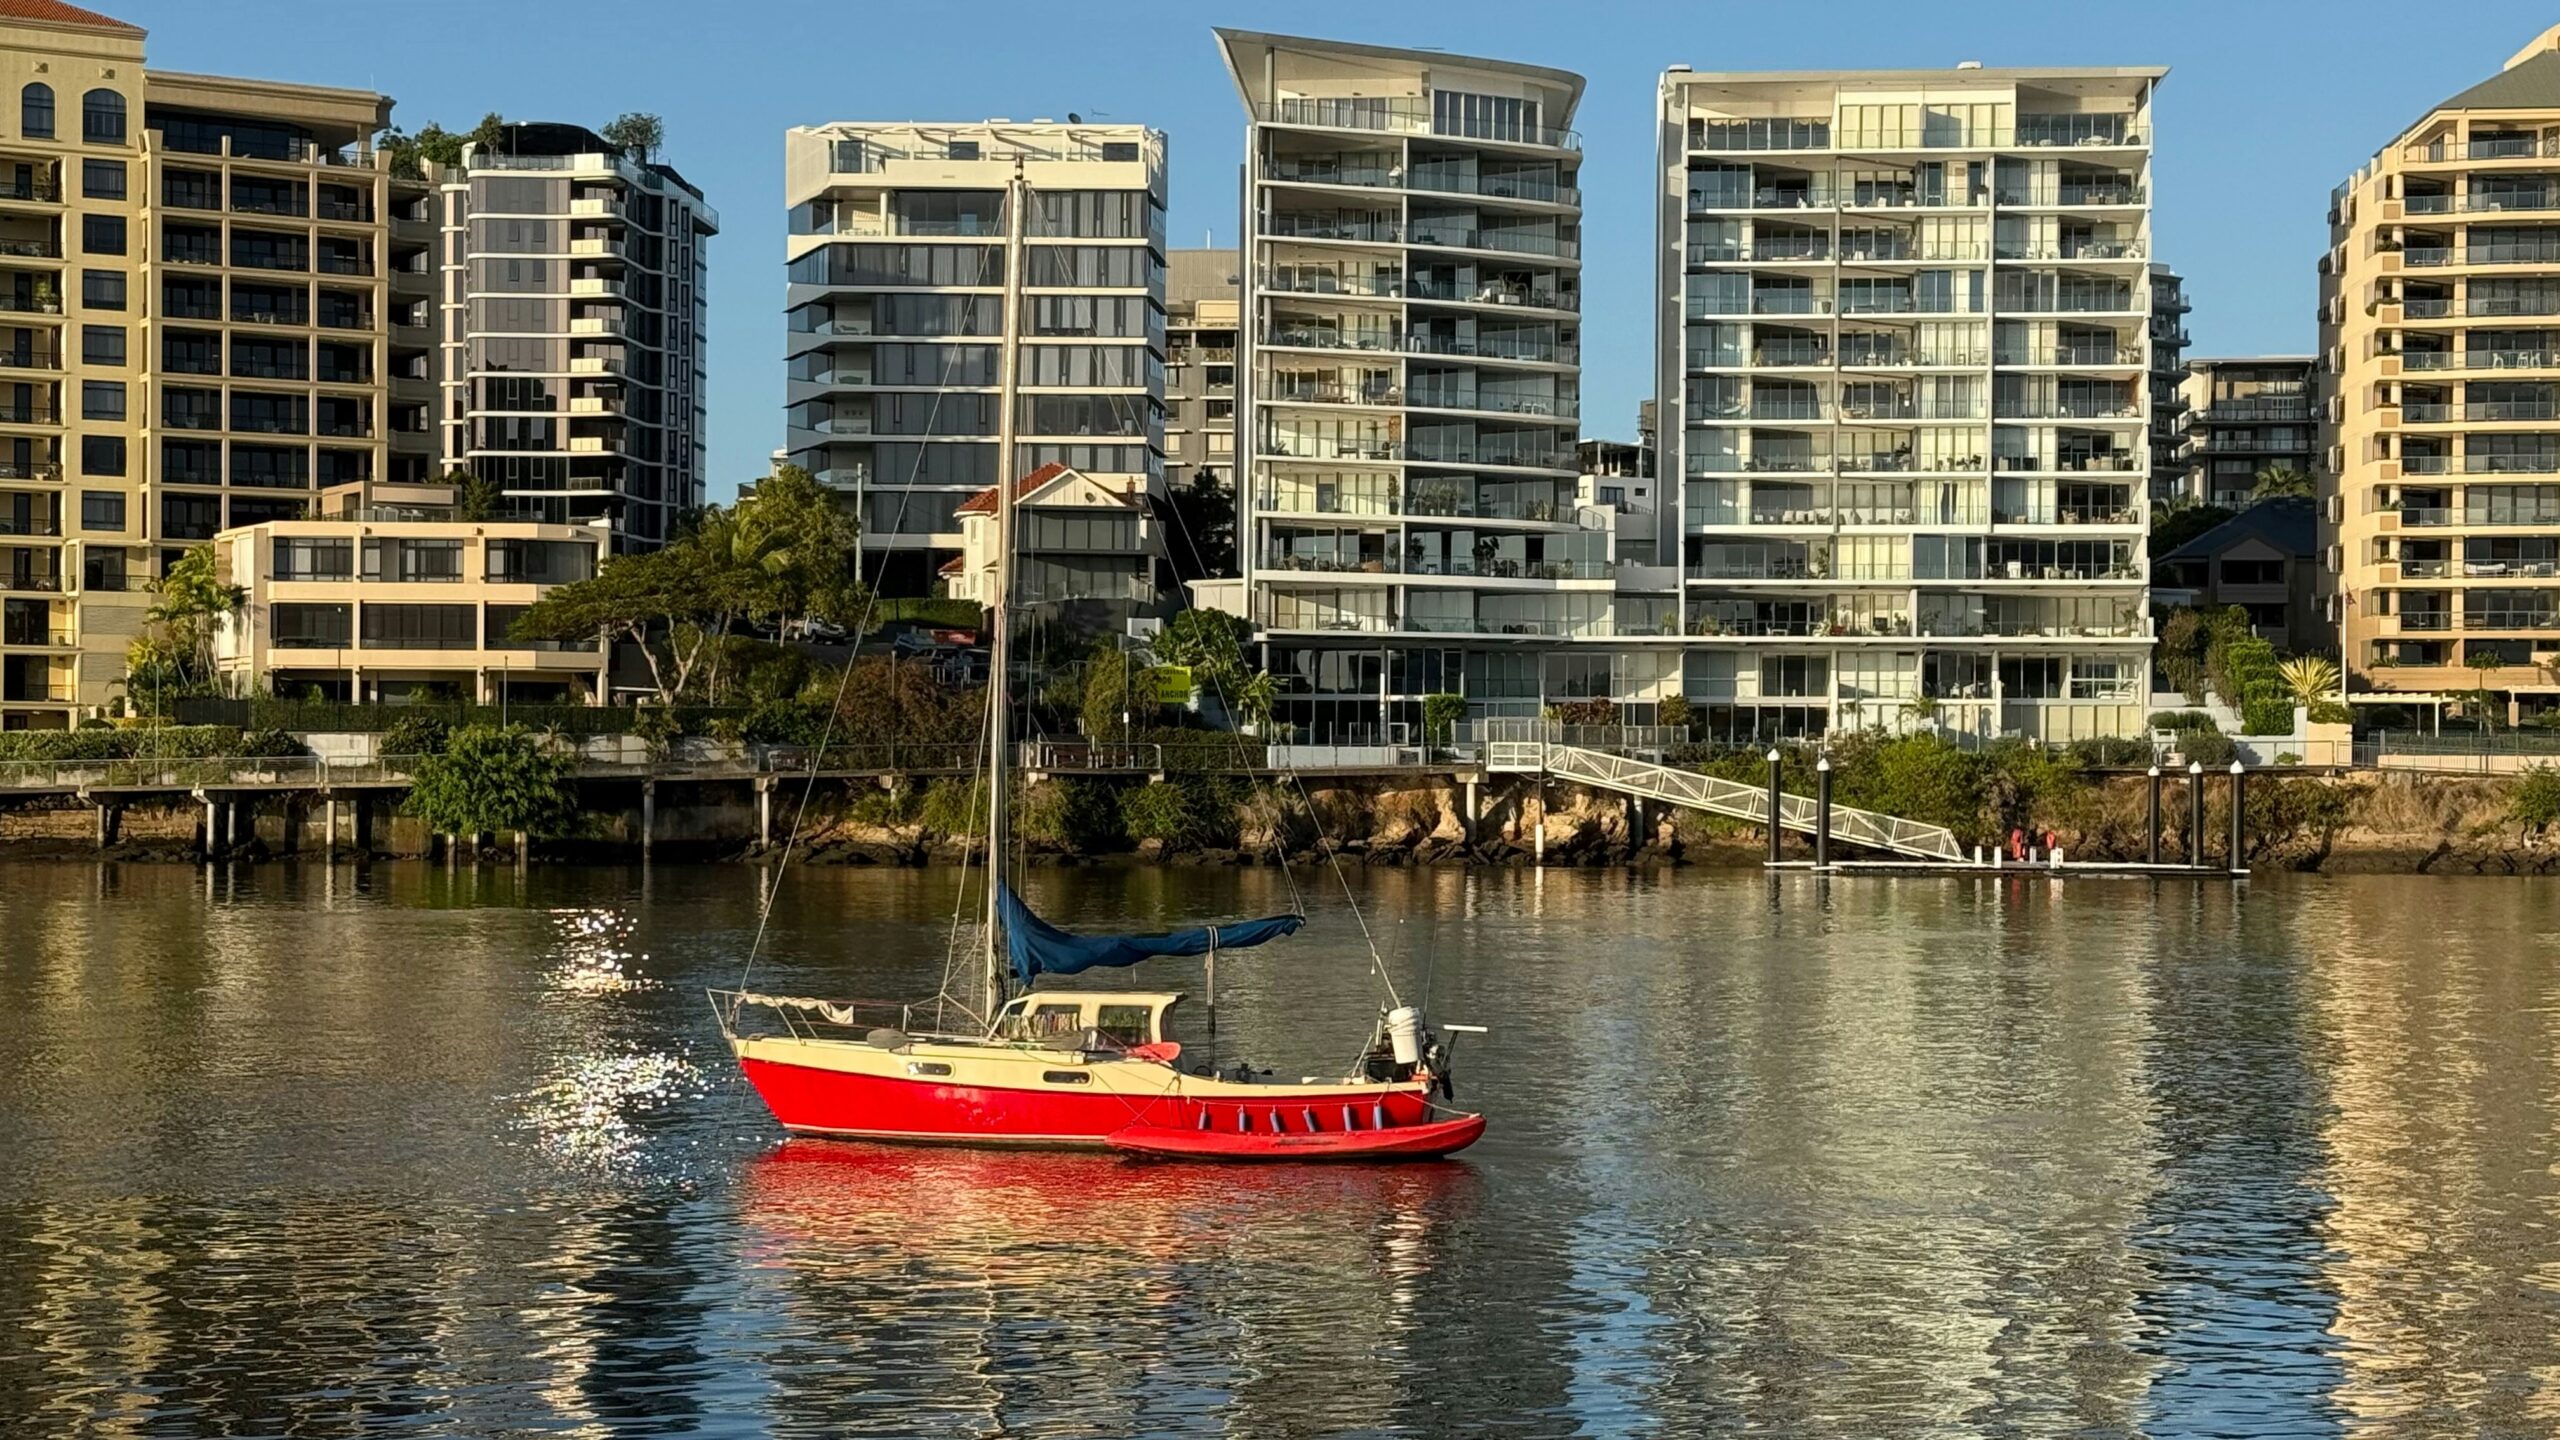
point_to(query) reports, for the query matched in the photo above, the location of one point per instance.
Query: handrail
(1732, 798)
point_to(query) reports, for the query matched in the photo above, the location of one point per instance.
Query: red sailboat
(1026, 1066)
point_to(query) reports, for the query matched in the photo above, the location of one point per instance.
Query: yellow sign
(1173, 684)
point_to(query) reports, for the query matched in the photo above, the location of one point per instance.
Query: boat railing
(804, 1017)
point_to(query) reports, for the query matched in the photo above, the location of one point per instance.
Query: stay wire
(826, 734)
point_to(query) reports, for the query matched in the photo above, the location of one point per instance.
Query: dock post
(1776, 800)
(106, 824)
(212, 822)
(1471, 813)
(1822, 813)
(1540, 854)
(2154, 848)
(2195, 814)
(764, 811)
(649, 815)
(330, 808)
(2236, 859)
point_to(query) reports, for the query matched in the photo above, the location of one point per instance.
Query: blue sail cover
(1040, 948)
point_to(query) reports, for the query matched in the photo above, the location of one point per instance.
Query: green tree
(2175, 526)
(2272, 481)
(1440, 716)
(491, 779)
(1256, 699)
(1200, 527)
(636, 134)
(192, 600)
(2484, 663)
(792, 547)
(1210, 642)
(1118, 692)
(676, 605)
(491, 129)
(474, 498)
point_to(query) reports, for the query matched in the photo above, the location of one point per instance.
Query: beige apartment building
(1200, 303)
(1905, 355)
(386, 597)
(2439, 396)
(196, 279)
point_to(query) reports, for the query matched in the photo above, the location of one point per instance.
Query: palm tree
(1256, 698)
(2275, 480)
(2483, 663)
(192, 597)
(2311, 678)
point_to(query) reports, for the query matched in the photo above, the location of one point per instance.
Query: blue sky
(2266, 107)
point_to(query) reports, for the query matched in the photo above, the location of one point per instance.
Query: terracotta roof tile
(984, 502)
(57, 13)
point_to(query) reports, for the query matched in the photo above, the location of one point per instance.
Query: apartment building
(2169, 307)
(1411, 349)
(195, 274)
(571, 311)
(1905, 318)
(1201, 294)
(2239, 417)
(2439, 396)
(386, 596)
(896, 282)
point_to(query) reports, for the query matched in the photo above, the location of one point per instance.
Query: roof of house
(54, 12)
(984, 502)
(955, 565)
(2530, 84)
(2290, 523)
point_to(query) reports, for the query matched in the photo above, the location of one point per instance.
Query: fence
(308, 716)
(2509, 753)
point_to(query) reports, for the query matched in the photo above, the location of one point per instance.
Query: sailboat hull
(993, 1096)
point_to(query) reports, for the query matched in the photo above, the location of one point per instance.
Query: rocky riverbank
(2355, 823)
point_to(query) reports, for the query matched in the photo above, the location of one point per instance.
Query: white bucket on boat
(1404, 1032)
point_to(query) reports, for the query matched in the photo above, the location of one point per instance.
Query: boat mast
(1000, 594)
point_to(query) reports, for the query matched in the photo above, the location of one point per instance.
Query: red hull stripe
(817, 1101)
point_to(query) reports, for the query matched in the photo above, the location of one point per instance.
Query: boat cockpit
(1085, 1019)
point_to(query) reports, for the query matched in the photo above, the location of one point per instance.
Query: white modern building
(1410, 348)
(896, 284)
(1903, 354)
(572, 290)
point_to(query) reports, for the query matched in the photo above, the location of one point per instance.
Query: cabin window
(927, 1067)
(1051, 1020)
(1127, 1024)
(1066, 1077)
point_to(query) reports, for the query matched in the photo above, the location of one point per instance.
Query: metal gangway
(1743, 802)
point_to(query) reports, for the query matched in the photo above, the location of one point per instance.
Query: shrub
(954, 807)
(1186, 813)
(2536, 803)
(1074, 815)
(896, 805)
(267, 743)
(1675, 711)
(2111, 750)
(2267, 716)
(1440, 716)
(416, 735)
(2332, 712)
(2177, 720)
(2287, 757)
(2211, 748)
(493, 779)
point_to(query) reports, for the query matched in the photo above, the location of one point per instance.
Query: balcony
(25, 358)
(2480, 464)
(1531, 297)
(2480, 360)
(2424, 412)
(1767, 197)
(33, 525)
(2518, 147)
(2503, 202)
(1516, 242)
(31, 582)
(1405, 116)
(2419, 257)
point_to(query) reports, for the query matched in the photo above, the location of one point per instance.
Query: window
(102, 117)
(963, 150)
(540, 562)
(421, 627)
(102, 179)
(35, 112)
(101, 510)
(1119, 150)
(102, 344)
(101, 569)
(101, 454)
(101, 399)
(189, 517)
(314, 557)
(102, 289)
(102, 234)
(413, 560)
(305, 626)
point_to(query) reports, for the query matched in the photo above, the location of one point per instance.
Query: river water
(312, 1151)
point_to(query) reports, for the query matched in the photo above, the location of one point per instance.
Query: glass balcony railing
(2480, 464)
(2480, 360)
(1408, 115)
